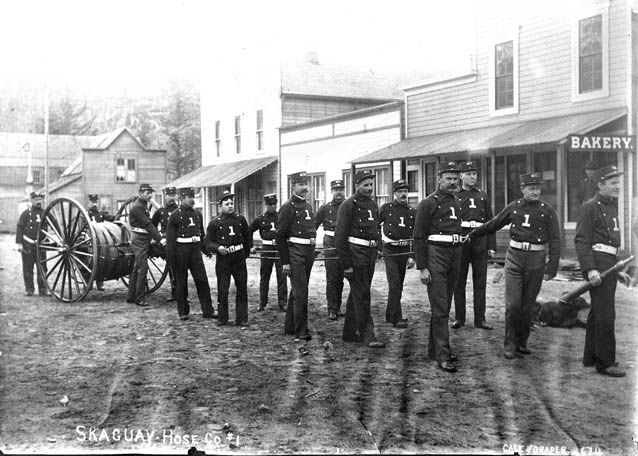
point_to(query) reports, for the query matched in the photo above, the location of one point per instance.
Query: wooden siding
(297, 110)
(544, 75)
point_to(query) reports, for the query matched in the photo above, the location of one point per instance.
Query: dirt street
(139, 379)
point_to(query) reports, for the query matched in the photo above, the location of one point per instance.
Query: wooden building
(113, 167)
(246, 112)
(542, 78)
(15, 150)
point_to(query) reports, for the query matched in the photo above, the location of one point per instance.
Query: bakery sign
(602, 143)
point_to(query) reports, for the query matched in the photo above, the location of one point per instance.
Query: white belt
(449, 238)
(605, 248)
(527, 246)
(365, 242)
(397, 242)
(138, 230)
(329, 233)
(269, 242)
(234, 248)
(188, 240)
(306, 241)
(28, 239)
(471, 224)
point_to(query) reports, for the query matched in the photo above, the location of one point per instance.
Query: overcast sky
(97, 44)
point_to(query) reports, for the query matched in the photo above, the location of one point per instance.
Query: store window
(346, 175)
(382, 185)
(545, 163)
(125, 170)
(576, 177)
(429, 177)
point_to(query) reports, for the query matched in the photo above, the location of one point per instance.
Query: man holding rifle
(597, 241)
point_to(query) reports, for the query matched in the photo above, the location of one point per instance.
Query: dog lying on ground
(561, 314)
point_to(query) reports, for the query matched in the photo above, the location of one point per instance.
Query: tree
(68, 116)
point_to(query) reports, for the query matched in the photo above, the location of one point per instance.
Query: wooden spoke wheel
(67, 247)
(157, 266)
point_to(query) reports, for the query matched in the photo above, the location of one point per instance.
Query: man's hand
(411, 263)
(547, 277)
(625, 278)
(594, 277)
(347, 273)
(253, 251)
(19, 248)
(424, 275)
(163, 242)
(491, 254)
(222, 250)
(286, 269)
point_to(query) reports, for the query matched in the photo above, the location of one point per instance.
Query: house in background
(15, 149)
(551, 90)
(112, 166)
(245, 114)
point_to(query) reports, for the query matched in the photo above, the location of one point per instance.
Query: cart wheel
(157, 266)
(67, 247)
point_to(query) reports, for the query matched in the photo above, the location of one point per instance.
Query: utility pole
(46, 145)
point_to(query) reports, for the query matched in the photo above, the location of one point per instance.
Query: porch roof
(533, 132)
(222, 174)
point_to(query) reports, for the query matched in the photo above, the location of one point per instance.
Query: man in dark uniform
(397, 220)
(327, 217)
(597, 241)
(475, 210)
(26, 234)
(587, 187)
(98, 216)
(229, 236)
(184, 248)
(296, 234)
(357, 238)
(534, 229)
(143, 231)
(95, 214)
(437, 247)
(160, 220)
(266, 223)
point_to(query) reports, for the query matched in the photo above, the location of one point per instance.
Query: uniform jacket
(28, 225)
(439, 213)
(139, 216)
(535, 222)
(227, 230)
(266, 224)
(96, 215)
(161, 216)
(296, 219)
(358, 216)
(327, 215)
(397, 222)
(597, 224)
(183, 222)
(476, 207)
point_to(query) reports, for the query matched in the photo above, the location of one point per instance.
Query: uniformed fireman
(327, 218)
(98, 216)
(597, 241)
(228, 235)
(266, 223)
(185, 244)
(160, 220)
(437, 246)
(397, 226)
(357, 239)
(26, 234)
(475, 211)
(296, 234)
(95, 214)
(534, 234)
(143, 231)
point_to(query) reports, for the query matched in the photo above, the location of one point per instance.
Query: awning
(534, 132)
(222, 174)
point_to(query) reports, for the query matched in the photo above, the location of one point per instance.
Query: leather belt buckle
(525, 245)
(373, 243)
(472, 224)
(455, 239)
(195, 238)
